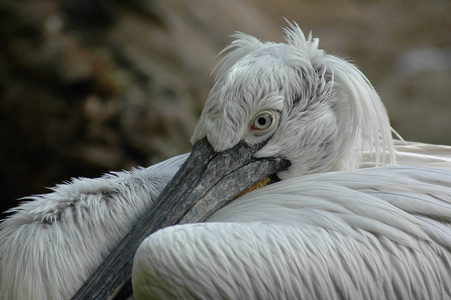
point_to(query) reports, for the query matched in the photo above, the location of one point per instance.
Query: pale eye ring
(262, 121)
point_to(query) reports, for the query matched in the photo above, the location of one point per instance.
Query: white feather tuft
(242, 45)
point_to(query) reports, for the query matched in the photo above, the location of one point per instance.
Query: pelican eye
(262, 121)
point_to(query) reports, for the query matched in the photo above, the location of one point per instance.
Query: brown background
(88, 86)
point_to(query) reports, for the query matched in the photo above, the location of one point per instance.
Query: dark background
(88, 86)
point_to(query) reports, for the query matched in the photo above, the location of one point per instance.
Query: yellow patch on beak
(262, 183)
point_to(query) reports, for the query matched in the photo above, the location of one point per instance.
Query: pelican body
(349, 212)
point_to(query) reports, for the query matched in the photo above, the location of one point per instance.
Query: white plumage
(375, 233)
(51, 244)
(335, 227)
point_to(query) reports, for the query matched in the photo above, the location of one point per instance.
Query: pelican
(294, 189)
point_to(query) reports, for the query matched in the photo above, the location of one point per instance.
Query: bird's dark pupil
(261, 121)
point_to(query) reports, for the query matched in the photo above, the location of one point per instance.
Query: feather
(379, 233)
(51, 243)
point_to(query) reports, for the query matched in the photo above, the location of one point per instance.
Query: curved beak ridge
(206, 182)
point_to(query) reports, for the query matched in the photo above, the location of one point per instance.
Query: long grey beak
(207, 181)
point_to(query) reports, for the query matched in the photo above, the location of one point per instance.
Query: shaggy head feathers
(329, 114)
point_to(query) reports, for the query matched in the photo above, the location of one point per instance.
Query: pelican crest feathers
(292, 77)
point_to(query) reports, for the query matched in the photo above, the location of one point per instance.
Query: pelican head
(315, 110)
(282, 109)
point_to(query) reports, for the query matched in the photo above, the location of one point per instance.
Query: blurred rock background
(88, 86)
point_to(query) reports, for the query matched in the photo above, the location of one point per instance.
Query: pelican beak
(207, 181)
